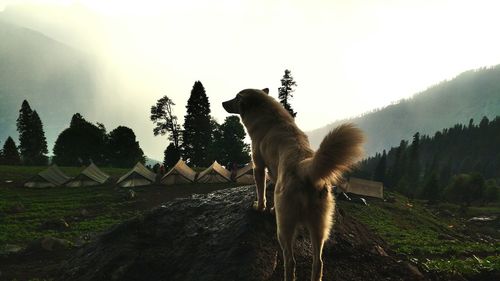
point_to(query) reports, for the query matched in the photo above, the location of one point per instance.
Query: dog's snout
(225, 105)
(229, 106)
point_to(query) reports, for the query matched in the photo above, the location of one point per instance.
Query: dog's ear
(266, 90)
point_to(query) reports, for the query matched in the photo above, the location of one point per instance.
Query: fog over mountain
(56, 79)
(111, 60)
(62, 69)
(133, 63)
(472, 94)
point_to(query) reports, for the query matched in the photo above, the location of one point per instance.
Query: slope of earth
(218, 237)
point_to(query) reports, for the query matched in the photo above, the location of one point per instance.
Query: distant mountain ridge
(472, 94)
(56, 79)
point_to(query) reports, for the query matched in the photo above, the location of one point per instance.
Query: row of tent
(139, 175)
(53, 176)
(181, 173)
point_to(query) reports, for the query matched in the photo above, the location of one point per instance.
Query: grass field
(102, 204)
(86, 210)
(436, 243)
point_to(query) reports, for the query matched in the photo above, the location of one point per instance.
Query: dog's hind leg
(286, 222)
(286, 238)
(318, 238)
(319, 225)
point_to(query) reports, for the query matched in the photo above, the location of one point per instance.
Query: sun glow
(347, 57)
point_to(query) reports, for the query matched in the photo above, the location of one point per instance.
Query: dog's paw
(271, 211)
(258, 207)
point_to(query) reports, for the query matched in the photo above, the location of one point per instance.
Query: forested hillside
(472, 94)
(56, 80)
(463, 161)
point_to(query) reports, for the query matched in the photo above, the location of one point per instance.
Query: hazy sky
(347, 57)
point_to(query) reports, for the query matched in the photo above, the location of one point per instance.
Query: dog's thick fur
(302, 194)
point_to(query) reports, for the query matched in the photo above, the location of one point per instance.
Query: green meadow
(435, 242)
(438, 238)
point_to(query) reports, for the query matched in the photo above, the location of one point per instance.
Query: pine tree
(10, 155)
(24, 127)
(32, 142)
(234, 148)
(165, 121)
(413, 170)
(215, 150)
(471, 123)
(39, 144)
(380, 170)
(197, 130)
(286, 90)
(484, 123)
(399, 165)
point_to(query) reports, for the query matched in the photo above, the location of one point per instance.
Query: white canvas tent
(214, 174)
(365, 187)
(91, 176)
(245, 175)
(138, 176)
(179, 174)
(50, 177)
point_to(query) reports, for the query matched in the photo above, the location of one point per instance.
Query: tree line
(84, 142)
(458, 164)
(78, 145)
(200, 141)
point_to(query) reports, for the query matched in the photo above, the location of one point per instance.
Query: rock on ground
(219, 237)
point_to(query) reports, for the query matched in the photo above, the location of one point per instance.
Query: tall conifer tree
(32, 142)
(25, 130)
(39, 144)
(10, 155)
(197, 129)
(285, 92)
(235, 150)
(380, 170)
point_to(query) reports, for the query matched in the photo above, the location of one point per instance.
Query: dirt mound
(218, 237)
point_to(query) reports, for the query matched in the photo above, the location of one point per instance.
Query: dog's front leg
(259, 173)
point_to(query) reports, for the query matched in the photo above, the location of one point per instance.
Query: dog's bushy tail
(338, 151)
